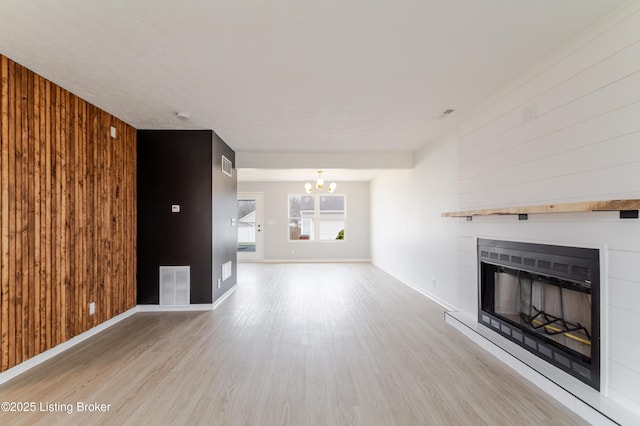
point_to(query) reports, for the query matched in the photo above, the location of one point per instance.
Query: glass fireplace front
(546, 299)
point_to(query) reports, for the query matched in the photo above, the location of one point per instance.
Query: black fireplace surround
(546, 299)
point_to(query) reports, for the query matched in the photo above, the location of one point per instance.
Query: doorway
(249, 227)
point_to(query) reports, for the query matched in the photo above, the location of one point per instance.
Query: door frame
(258, 255)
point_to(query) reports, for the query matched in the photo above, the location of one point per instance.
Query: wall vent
(227, 166)
(226, 270)
(175, 285)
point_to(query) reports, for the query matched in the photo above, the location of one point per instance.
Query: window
(317, 217)
(331, 214)
(247, 225)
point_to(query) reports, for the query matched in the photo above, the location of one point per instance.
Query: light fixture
(319, 184)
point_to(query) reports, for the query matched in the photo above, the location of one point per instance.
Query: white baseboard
(40, 358)
(50, 353)
(420, 290)
(224, 296)
(184, 308)
(433, 297)
(188, 308)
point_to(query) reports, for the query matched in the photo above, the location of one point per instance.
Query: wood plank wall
(68, 215)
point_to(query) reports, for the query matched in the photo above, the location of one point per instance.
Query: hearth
(546, 299)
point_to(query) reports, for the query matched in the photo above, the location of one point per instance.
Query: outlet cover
(113, 132)
(219, 282)
(92, 308)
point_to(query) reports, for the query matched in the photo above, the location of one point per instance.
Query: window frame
(316, 218)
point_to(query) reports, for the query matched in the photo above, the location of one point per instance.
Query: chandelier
(319, 184)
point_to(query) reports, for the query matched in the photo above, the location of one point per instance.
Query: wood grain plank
(92, 208)
(4, 218)
(11, 163)
(34, 224)
(55, 216)
(132, 218)
(81, 206)
(39, 129)
(100, 204)
(117, 218)
(71, 218)
(20, 272)
(29, 234)
(48, 215)
(106, 295)
(64, 220)
(589, 206)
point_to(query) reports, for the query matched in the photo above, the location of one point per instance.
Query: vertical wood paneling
(4, 218)
(67, 198)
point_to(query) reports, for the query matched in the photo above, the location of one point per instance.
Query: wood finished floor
(296, 344)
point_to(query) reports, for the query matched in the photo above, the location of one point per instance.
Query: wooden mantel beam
(587, 206)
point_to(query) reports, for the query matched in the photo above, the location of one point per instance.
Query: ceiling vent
(446, 113)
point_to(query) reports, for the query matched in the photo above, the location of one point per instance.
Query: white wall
(409, 239)
(584, 144)
(275, 224)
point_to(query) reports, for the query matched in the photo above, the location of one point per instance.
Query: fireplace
(546, 299)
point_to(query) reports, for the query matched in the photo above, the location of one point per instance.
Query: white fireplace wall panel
(583, 145)
(621, 285)
(624, 317)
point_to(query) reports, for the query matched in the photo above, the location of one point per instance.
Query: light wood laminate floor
(296, 344)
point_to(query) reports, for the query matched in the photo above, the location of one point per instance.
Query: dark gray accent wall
(180, 167)
(225, 208)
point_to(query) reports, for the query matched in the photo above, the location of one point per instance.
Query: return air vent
(227, 166)
(174, 285)
(227, 270)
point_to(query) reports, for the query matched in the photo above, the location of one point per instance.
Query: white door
(249, 226)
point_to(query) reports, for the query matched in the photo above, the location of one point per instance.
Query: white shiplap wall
(583, 144)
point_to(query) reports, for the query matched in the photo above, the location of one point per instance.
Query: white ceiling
(291, 75)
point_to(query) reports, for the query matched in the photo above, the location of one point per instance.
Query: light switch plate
(113, 132)
(175, 208)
